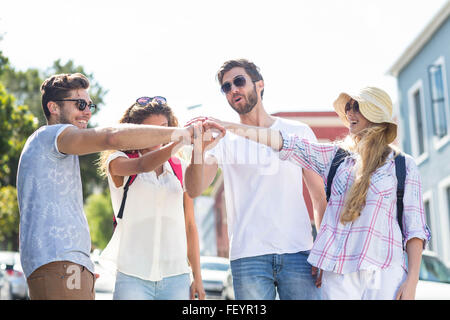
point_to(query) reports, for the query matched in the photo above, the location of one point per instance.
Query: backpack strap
(175, 163)
(400, 172)
(125, 188)
(339, 157)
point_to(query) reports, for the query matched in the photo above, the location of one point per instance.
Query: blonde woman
(359, 245)
(155, 244)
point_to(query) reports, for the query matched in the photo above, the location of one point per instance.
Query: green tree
(25, 86)
(16, 124)
(99, 214)
(9, 219)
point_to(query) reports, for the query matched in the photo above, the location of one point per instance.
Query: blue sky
(308, 51)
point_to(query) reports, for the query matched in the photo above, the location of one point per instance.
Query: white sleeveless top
(150, 240)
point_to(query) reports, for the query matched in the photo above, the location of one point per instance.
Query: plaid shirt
(374, 240)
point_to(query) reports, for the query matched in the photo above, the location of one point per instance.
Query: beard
(63, 118)
(252, 100)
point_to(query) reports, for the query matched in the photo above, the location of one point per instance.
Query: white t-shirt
(266, 212)
(150, 240)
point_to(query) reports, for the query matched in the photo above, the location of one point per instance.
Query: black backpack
(400, 172)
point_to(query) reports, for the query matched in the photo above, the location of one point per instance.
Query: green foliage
(25, 86)
(3, 62)
(99, 214)
(16, 124)
(9, 218)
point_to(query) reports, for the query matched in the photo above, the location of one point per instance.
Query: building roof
(421, 40)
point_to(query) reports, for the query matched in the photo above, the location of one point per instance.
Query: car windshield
(214, 266)
(432, 269)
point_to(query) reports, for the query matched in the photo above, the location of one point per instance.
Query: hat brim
(339, 107)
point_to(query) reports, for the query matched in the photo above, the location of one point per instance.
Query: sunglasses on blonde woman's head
(143, 101)
(82, 104)
(239, 82)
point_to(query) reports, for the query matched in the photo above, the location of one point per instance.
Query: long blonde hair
(372, 149)
(137, 114)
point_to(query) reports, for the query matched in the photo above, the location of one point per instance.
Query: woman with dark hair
(155, 244)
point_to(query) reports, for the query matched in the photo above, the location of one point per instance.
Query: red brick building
(326, 126)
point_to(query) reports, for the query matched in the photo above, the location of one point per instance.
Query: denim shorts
(170, 288)
(262, 277)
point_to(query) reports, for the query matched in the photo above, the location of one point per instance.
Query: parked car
(214, 275)
(5, 292)
(434, 278)
(14, 276)
(104, 285)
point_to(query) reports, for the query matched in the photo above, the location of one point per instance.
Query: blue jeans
(170, 288)
(260, 277)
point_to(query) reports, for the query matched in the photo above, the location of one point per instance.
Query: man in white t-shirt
(268, 223)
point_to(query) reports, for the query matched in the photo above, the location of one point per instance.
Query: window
(427, 209)
(448, 202)
(438, 98)
(417, 122)
(441, 239)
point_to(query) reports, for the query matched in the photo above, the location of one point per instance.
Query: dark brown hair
(58, 87)
(137, 114)
(251, 69)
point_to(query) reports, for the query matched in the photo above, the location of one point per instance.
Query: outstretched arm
(121, 167)
(269, 137)
(120, 137)
(301, 152)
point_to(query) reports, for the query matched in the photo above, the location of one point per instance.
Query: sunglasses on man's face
(143, 101)
(352, 106)
(239, 82)
(82, 104)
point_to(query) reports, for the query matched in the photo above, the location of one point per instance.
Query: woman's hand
(197, 290)
(407, 290)
(317, 275)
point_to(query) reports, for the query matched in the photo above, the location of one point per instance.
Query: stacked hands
(204, 133)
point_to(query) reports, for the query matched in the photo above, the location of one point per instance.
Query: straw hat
(374, 104)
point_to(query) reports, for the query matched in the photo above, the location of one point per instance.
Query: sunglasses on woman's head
(143, 101)
(352, 106)
(239, 81)
(82, 104)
